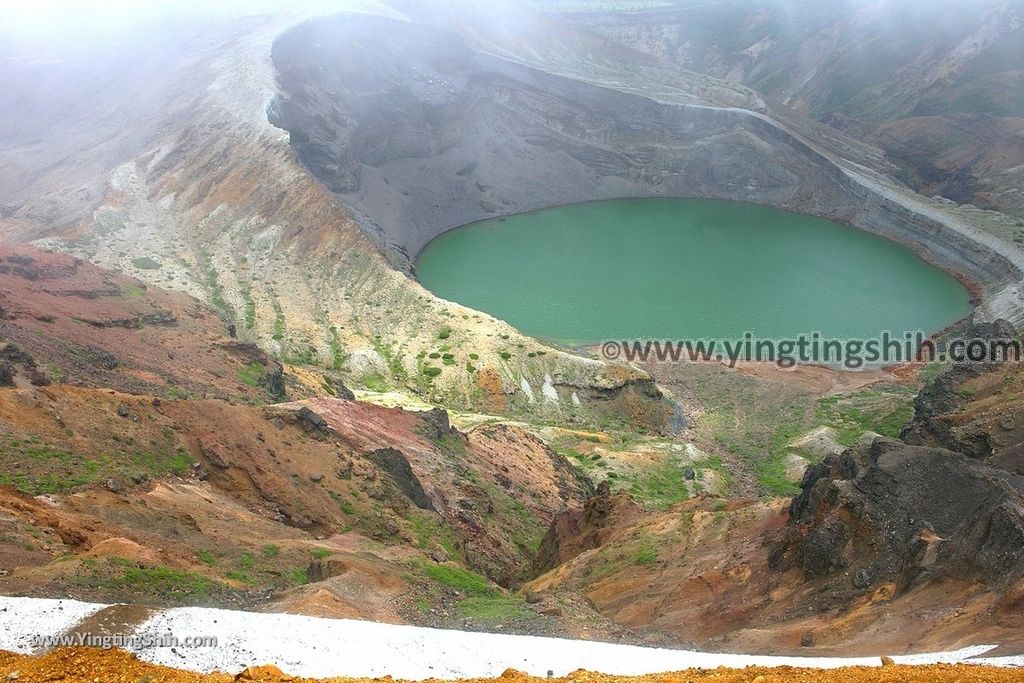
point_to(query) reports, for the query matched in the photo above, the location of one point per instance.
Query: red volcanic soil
(80, 324)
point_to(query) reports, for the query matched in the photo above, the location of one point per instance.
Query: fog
(60, 22)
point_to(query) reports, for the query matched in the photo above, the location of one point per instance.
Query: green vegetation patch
(121, 576)
(374, 382)
(646, 551)
(429, 530)
(756, 420)
(252, 374)
(36, 468)
(660, 486)
(213, 285)
(464, 581)
(146, 263)
(493, 610)
(885, 409)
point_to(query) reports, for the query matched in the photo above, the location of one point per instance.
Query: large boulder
(896, 513)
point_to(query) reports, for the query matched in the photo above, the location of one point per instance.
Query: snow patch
(321, 648)
(315, 647)
(22, 620)
(527, 389)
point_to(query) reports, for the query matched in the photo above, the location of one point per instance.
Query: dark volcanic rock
(397, 466)
(936, 406)
(435, 425)
(6, 374)
(340, 390)
(310, 421)
(901, 513)
(273, 380)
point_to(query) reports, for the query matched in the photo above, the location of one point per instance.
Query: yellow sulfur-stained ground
(73, 665)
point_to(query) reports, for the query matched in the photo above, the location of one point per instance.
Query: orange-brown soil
(84, 325)
(85, 665)
(667, 572)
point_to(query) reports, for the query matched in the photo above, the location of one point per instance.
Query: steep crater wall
(420, 133)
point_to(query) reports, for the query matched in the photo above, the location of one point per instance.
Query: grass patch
(886, 410)
(646, 552)
(375, 382)
(757, 420)
(240, 576)
(347, 507)
(251, 375)
(250, 307)
(133, 291)
(429, 531)
(298, 577)
(279, 321)
(658, 487)
(213, 286)
(466, 582)
(493, 609)
(338, 355)
(207, 558)
(125, 577)
(46, 469)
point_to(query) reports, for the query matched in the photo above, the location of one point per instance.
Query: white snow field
(319, 648)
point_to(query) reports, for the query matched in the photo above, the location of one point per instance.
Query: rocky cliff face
(897, 514)
(924, 81)
(429, 132)
(974, 408)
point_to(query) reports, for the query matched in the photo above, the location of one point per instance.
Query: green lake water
(687, 269)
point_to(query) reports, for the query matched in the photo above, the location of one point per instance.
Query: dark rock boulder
(340, 390)
(946, 396)
(397, 466)
(435, 425)
(7, 373)
(311, 422)
(273, 380)
(899, 513)
(575, 531)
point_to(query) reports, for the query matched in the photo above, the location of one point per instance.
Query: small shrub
(146, 263)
